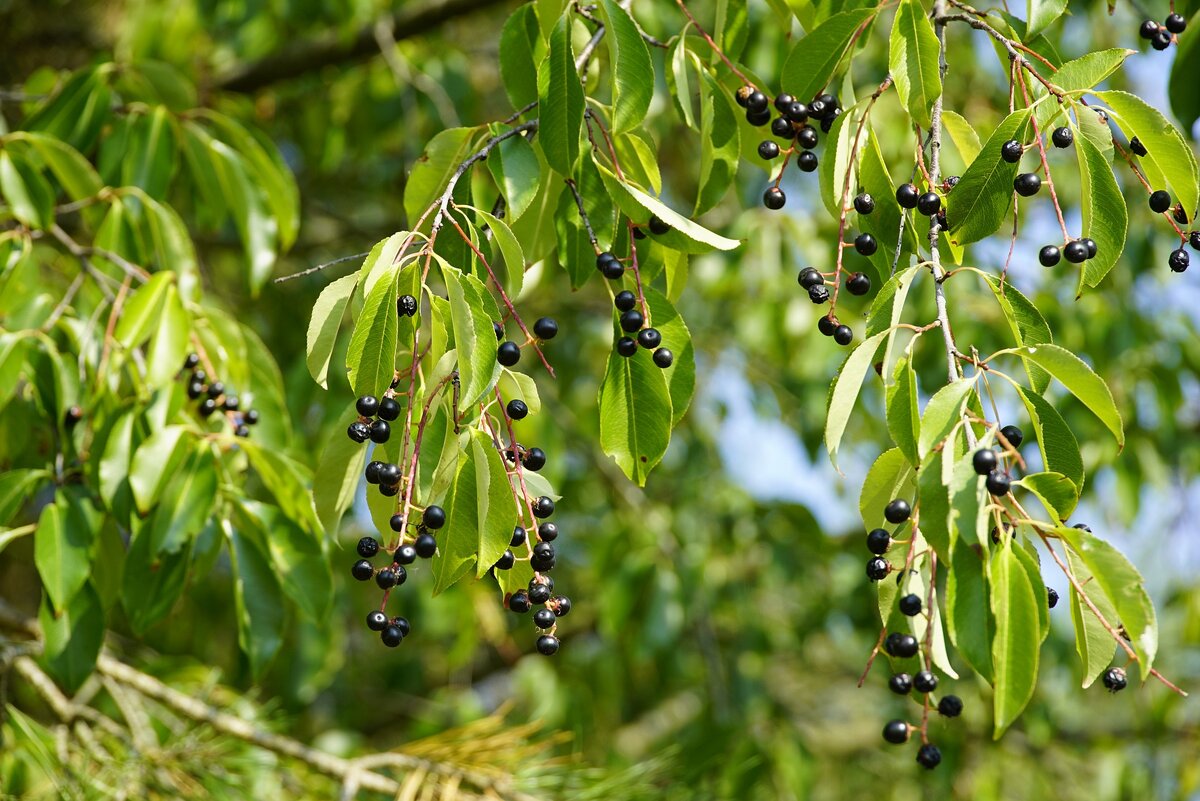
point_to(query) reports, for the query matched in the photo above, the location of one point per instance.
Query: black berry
(663, 357)
(877, 568)
(405, 555)
(396, 523)
(499, 331)
(231, 403)
(506, 561)
(377, 621)
(758, 118)
(561, 606)
(359, 432)
(534, 459)
(929, 757)
(998, 483)
(900, 684)
(910, 605)
(1161, 40)
(1076, 252)
(624, 300)
(742, 95)
(195, 389)
(545, 328)
(208, 406)
(1148, 29)
(1179, 260)
(901, 646)
(367, 405)
(389, 409)
(547, 645)
(783, 101)
(774, 198)
(925, 682)
(390, 577)
(1137, 147)
(425, 545)
(906, 196)
(518, 537)
(381, 431)
(1062, 137)
(251, 417)
(626, 347)
(984, 461)
(843, 335)
(756, 101)
(1049, 256)
(807, 137)
(434, 517)
(878, 541)
(362, 570)
(191, 361)
(389, 474)
(547, 532)
(864, 203)
(768, 150)
(241, 431)
(818, 294)
(1175, 23)
(897, 511)
(656, 225)
(896, 732)
(796, 112)
(519, 602)
(1014, 435)
(809, 277)
(806, 161)
(406, 305)
(508, 354)
(1027, 184)
(516, 409)
(609, 266)
(216, 389)
(1051, 597)
(391, 636)
(1160, 201)
(1011, 151)
(543, 618)
(543, 507)
(782, 128)
(929, 203)
(367, 547)
(827, 325)
(649, 338)
(539, 593)
(631, 321)
(950, 706)
(1114, 679)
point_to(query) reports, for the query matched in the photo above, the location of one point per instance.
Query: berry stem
(587, 224)
(410, 476)
(745, 81)
(442, 204)
(1041, 146)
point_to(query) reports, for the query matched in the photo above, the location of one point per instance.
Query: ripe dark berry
(1179, 260)
(1083, 527)
(406, 305)
(827, 325)
(649, 338)
(518, 537)
(251, 417)
(191, 361)
(817, 108)
(604, 261)
(519, 602)
(547, 532)
(377, 621)
(906, 196)
(901, 646)
(425, 545)
(830, 101)
(864, 203)
(774, 198)
(631, 321)
(405, 555)
(783, 100)
(506, 561)
(743, 94)
(910, 605)
(396, 523)
(1027, 184)
(543, 618)
(539, 593)
(900, 684)
(984, 461)
(390, 577)
(807, 161)
(534, 459)
(391, 636)
(508, 354)
(656, 225)
(809, 277)
(1011, 151)
(756, 101)
(1179, 214)
(897, 511)
(1062, 137)
(1161, 40)
(951, 182)
(516, 409)
(368, 547)
(389, 409)
(389, 490)
(499, 330)
(1175, 23)
(402, 624)
(929, 757)
(542, 562)
(1049, 256)
(1160, 201)
(626, 347)
(561, 606)
(663, 357)
(998, 483)
(543, 507)
(1092, 247)
(434, 517)
(768, 150)
(545, 328)
(216, 389)
(796, 112)
(843, 335)
(896, 732)
(1076, 252)
(807, 137)
(757, 118)
(865, 244)
(1014, 435)
(547, 645)
(950, 706)
(1114, 679)
(877, 568)
(624, 300)
(782, 128)
(389, 474)
(858, 284)
(208, 406)
(1194, 240)
(878, 541)
(367, 405)
(929, 203)
(362, 570)
(199, 375)
(195, 389)
(241, 431)
(1137, 147)
(1051, 597)
(381, 431)
(1148, 29)
(818, 294)
(925, 682)
(359, 432)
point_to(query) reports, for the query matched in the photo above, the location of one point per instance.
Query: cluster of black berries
(379, 430)
(1160, 203)
(509, 352)
(793, 125)
(1161, 36)
(216, 396)
(987, 463)
(541, 586)
(407, 549)
(814, 282)
(633, 322)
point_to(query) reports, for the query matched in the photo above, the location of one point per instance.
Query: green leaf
(903, 418)
(934, 498)
(472, 311)
(969, 618)
(685, 235)
(1016, 642)
(324, 324)
(71, 638)
(943, 413)
(1060, 449)
(1080, 380)
(681, 375)
(968, 497)
(844, 393)
(431, 172)
(1056, 492)
(1185, 100)
(509, 272)
(560, 101)
(1105, 218)
(1090, 69)
(61, 552)
(1028, 325)
(981, 200)
(185, 504)
(720, 146)
(1040, 14)
(913, 61)
(17, 487)
(815, 56)
(142, 311)
(890, 477)
(77, 110)
(169, 343)
(884, 222)
(921, 624)
(518, 173)
(287, 480)
(296, 557)
(635, 414)
(678, 85)
(150, 160)
(1093, 643)
(466, 506)
(256, 593)
(336, 478)
(152, 582)
(962, 134)
(887, 308)
(32, 204)
(1167, 153)
(519, 39)
(74, 173)
(156, 460)
(834, 166)
(498, 514)
(371, 355)
(632, 71)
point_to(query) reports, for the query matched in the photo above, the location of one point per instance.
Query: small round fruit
(626, 347)
(434, 517)
(657, 226)
(543, 618)
(1051, 597)
(241, 431)
(878, 568)
(950, 706)
(543, 507)
(1014, 435)
(1092, 247)
(663, 358)
(216, 389)
(796, 112)
(925, 682)
(1175, 23)
(807, 137)
(649, 338)
(929, 756)
(858, 284)
(864, 203)
(1179, 260)
(624, 300)
(807, 161)
(547, 645)
(506, 561)
(878, 541)
(402, 624)
(208, 406)
(362, 570)
(782, 128)
(817, 108)
(897, 511)
(1148, 29)
(519, 602)
(367, 405)
(231, 404)
(1062, 137)
(388, 578)
(1027, 184)
(756, 101)
(372, 472)
(755, 118)
(545, 328)
(900, 684)
(998, 483)
(392, 636)
(191, 361)
(367, 547)
(376, 620)
(843, 335)
(547, 532)
(896, 732)
(910, 605)
(389, 409)
(425, 545)
(534, 459)
(1011, 151)
(561, 605)
(195, 390)
(516, 409)
(389, 490)
(499, 330)
(519, 537)
(907, 195)
(405, 555)
(251, 417)
(508, 354)
(1115, 679)
(1160, 201)
(929, 204)
(539, 593)
(818, 294)
(901, 646)
(743, 94)
(984, 461)
(631, 321)
(406, 305)
(865, 244)
(1049, 256)
(768, 150)
(1076, 252)
(774, 198)
(827, 325)
(389, 474)
(1194, 240)
(809, 277)
(359, 432)
(1161, 40)
(782, 101)
(1137, 147)
(381, 431)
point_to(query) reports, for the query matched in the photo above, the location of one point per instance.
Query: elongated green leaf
(560, 101)
(844, 394)
(1017, 640)
(1185, 100)
(681, 375)
(431, 172)
(962, 134)
(678, 83)
(720, 145)
(256, 594)
(1060, 449)
(154, 463)
(969, 618)
(635, 414)
(472, 310)
(287, 480)
(1167, 154)
(887, 309)
(31, 207)
(1028, 325)
(1080, 380)
(336, 479)
(921, 624)
(150, 161)
(835, 162)
(324, 323)
(1055, 491)
(632, 71)
(1090, 69)
(186, 503)
(169, 343)
(17, 487)
(983, 196)
(1105, 218)
(519, 39)
(943, 413)
(1093, 643)
(295, 554)
(498, 515)
(466, 506)
(1040, 14)
(152, 582)
(934, 498)
(142, 311)
(815, 56)
(518, 173)
(371, 355)
(890, 477)
(72, 637)
(968, 521)
(913, 60)
(60, 552)
(74, 173)
(510, 271)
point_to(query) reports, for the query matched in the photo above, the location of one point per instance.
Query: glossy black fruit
(545, 328)
(1175, 23)
(768, 150)
(405, 555)
(782, 128)
(896, 732)
(1148, 29)
(878, 568)
(774, 198)
(827, 325)
(1076, 252)
(516, 409)
(818, 294)
(547, 532)
(1014, 435)
(1027, 184)
(796, 112)
(897, 511)
(1049, 256)
(843, 335)
(367, 547)
(925, 682)
(907, 195)
(1179, 260)
(506, 561)
(519, 602)
(929, 204)
(392, 636)
(984, 461)
(388, 577)
(425, 545)
(1114, 679)
(1160, 201)
(251, 417)
(757, 118)
(367, 405)
(865, 244)
(649, 338)
(910, 605)
(216, 389)
(377, 621)
(807, 161)
(534, 459)
(998, 483)
(656, 225)
(1062, 137)
(809, 277)
(756, 101)
(807, 137)
(929, 756)
(539, 593)
(381, 431)
(195, 390)
(624, 300)
(626, 347)
(543, 618)
(389, 409)
(1011, 151)
(878, 541)
(783, 100)
(389, 474)
(900, 684)
(1161, 40)
(864, 203)
(434, 517)
(950, 706)
(1051, 597)
(631, 321)
(543, 507)
(547, 645)
(1137, 147)
(362, 570)
(508, 354)
(406, 305)
(901, 646)
(359, 432)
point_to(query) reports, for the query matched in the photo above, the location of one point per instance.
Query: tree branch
(327, 50)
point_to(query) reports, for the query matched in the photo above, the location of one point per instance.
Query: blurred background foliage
(721, 615)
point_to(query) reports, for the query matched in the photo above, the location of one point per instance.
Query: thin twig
(319, 267)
